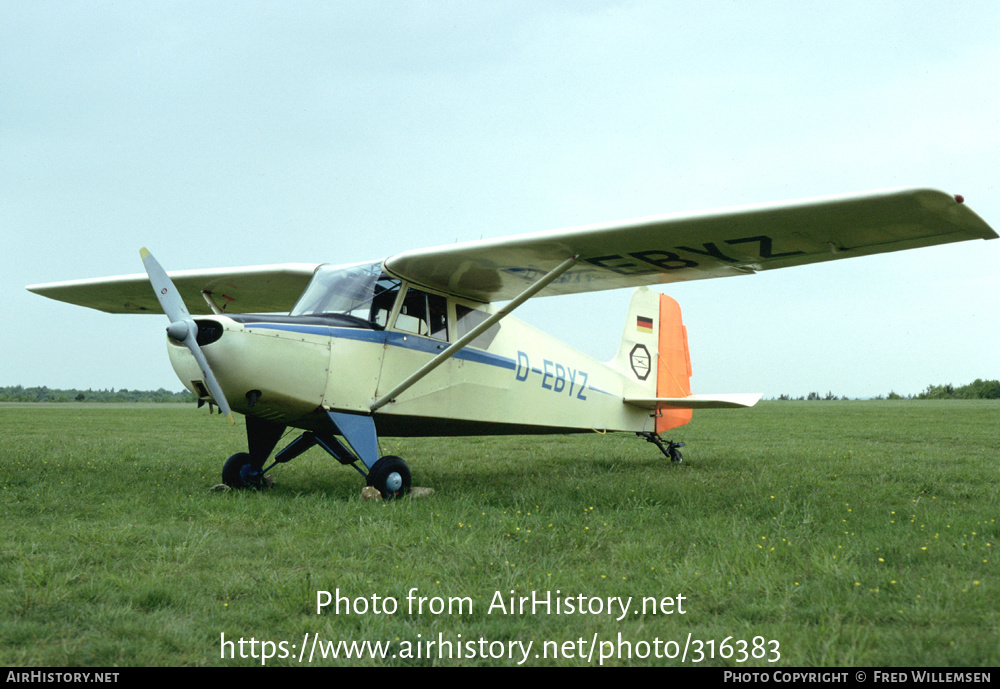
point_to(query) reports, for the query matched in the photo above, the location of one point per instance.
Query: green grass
(852, 533)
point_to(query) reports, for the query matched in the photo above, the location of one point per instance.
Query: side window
(383, 299)
(424, 314)
(467, 318)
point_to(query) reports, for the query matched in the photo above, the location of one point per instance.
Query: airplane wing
(258, 289)
(720, 243)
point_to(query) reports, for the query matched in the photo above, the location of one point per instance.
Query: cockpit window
(360, 293)
(424, 314)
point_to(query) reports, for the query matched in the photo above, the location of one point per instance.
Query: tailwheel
(390, 476)
(671, 450)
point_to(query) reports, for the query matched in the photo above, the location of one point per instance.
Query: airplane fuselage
(288, 369)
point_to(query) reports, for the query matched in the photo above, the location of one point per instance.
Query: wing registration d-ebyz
(672, 248)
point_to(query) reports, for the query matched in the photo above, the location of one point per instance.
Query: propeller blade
(168, 296)
(182, 327)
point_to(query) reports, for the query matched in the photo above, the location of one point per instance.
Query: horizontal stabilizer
(732, 401)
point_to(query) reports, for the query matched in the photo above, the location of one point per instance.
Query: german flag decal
(643, 324)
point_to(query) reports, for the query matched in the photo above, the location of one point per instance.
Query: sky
(227, 134)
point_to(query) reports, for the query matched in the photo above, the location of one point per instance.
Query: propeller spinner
(182, 327)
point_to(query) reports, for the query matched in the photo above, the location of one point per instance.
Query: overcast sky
(228, 134)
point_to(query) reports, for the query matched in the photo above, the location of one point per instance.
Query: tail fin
(637, 354)
(654, 353)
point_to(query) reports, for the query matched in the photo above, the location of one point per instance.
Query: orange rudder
(673, 368)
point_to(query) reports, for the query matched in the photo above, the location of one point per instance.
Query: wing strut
(524, 296)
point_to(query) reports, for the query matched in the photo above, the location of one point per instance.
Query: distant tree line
(979, 389)
(976, 390)
(812, 396)
(18, 393)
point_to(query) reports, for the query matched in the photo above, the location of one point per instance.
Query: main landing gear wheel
(390, 476)
(238, 473)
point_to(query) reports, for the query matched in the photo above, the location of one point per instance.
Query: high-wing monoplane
(422, 343)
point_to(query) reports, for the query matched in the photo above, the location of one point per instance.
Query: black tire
(390, 476)
(231, 470)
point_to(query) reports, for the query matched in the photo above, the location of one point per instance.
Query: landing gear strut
(671, 450)
(389, 475)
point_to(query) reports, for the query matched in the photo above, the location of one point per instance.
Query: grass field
(831, 533)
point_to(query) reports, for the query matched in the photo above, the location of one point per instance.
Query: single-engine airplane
(418, 344)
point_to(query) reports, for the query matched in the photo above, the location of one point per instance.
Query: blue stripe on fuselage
(393, 339)
(404, 340)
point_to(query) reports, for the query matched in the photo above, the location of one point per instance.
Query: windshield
(362, 292)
